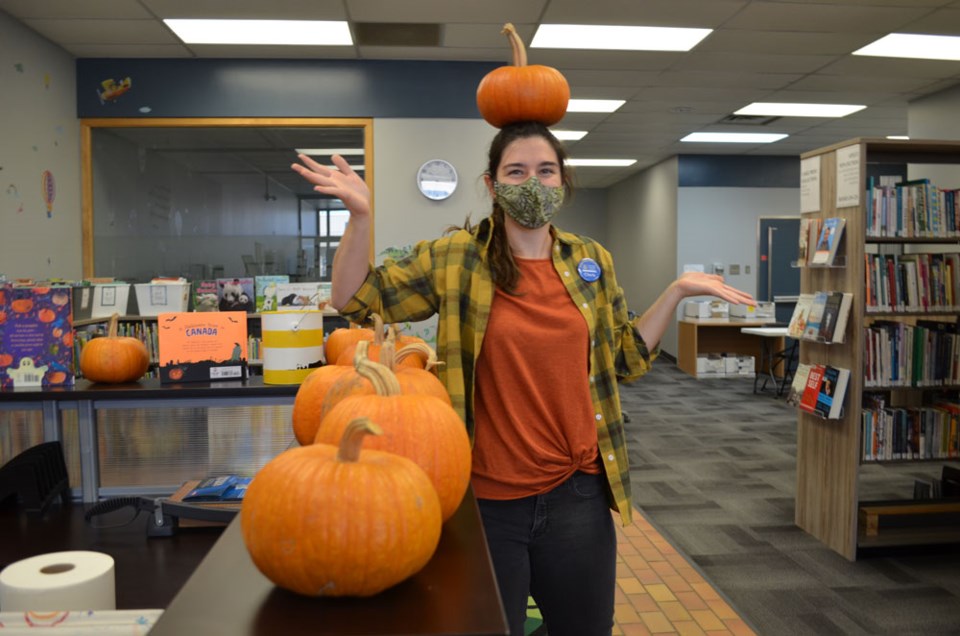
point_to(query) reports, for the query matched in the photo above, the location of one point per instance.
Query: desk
(88, 398)
(773, 354)
(456, 593)
(149, 572)
(715, 335)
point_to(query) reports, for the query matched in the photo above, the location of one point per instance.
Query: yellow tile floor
(660, 592)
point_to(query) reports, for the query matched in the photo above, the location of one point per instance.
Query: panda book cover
(202, 346)
(236, 294)
(36, 337)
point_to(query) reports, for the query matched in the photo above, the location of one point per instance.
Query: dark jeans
(561, 548)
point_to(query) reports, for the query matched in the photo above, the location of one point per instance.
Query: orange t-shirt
(535, 424)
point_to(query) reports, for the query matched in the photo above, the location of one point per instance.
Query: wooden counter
(716, 335)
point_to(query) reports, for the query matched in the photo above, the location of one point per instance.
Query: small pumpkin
(520, 92)
(326, 521)
(46, 315)
(421, 427)
(114, 359)
(340, 339)
(22, 305)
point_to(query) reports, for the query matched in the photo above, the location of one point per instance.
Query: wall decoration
(112, 89)
(49, 191)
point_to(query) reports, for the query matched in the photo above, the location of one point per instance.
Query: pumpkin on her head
(114, 359)
(520, 92)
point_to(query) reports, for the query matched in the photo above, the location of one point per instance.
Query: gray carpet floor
(714, 469)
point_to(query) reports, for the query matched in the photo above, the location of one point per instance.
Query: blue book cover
(36, 337)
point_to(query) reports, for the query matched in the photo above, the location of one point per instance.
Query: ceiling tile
(832, 18)
(247, 9)
(103, 31)
(71, 9)
(496, 11)
(782, 43)
(677, 13)
(487, 35)
(747, 63)
(121, 51)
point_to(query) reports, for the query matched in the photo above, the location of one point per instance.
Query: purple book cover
(36, 337)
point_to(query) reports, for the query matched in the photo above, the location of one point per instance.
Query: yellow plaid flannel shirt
(450, 276)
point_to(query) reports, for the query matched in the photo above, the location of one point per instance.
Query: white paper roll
(73, 580)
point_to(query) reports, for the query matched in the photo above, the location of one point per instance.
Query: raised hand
(701, 284)
(342, 183)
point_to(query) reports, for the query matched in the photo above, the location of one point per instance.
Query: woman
(535, 335)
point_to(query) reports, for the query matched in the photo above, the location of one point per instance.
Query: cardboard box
(697, 309)
(154, 299)
(710, 365)
(746, 365)
(730, 365)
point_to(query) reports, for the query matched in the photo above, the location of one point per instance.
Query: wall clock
(437, 179)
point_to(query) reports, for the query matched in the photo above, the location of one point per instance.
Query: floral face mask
(531, 204)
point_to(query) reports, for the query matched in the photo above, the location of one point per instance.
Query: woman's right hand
(342, 183)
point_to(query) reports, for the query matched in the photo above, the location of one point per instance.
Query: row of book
(911, 209)
(819, 389)
(912, 282)
(931, 432)
(926, 354)
(258, 294)
(821, 316)
(820, 241)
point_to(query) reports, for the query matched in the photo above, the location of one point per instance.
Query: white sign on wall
(848, 176)
(810, 184)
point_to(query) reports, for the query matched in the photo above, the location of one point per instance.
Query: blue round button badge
(589, 270)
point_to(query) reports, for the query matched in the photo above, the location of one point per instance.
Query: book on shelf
(205, 295)
(303, 295)
(836, 312)
(803, 248)
(236, 294)
(831, 233)
(36, 337)
(833, 388)
(817, 307)
(798, 384)
(198, 348)
(265, 291)
(798, 321)
(811, 389)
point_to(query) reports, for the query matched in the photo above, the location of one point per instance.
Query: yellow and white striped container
(292, 345)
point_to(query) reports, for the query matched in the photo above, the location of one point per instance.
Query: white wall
(720, 225)
(642, 236)
(935, 117)
(39, 131)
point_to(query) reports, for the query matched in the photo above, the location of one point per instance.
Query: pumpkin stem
(352, 440)
(388, 350)
(384, 381)
(112, 327)
(519, 52)
(377, 329)
(419, 348)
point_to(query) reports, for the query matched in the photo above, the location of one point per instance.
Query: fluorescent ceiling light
(326, 152)
(607, 163)
(594, 105)
(569, 135)
(915, 46)
(898, 137)
(622, 38)
(799, 110)
(734, 138)
(309, 32)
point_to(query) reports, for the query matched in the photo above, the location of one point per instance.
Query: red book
(808, 401)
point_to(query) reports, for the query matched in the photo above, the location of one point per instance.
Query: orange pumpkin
(22, 305)
(114, 359)
(56, 377)
(46, 315)
(520, 92)
(326, 521)
(421, 427)
(5, 359)
(309, 399)
(340, 339)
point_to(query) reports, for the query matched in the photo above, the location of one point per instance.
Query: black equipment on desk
(165, 514)
(36, 476)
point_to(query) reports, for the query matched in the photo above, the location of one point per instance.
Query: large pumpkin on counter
(114, 359)
(323, 520)
(520, 92)
(421, 427)
(340, 339)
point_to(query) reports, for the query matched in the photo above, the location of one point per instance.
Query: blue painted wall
(281, 88)
(739, 171)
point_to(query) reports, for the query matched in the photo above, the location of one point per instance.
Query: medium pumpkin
(310, 398)
(114, 359)
(520, 92)
(326, 521)
(421, 427)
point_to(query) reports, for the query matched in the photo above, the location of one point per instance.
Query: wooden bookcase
(829, 451)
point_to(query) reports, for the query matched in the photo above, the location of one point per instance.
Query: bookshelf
(829, 452)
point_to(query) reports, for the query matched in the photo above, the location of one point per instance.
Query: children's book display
(831, 233)
(236, 294)
(202, 347)
(265, 290)
(36, 337)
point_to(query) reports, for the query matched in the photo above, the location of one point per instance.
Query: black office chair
(37, 476)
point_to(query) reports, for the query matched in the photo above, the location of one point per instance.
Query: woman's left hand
(701, 284)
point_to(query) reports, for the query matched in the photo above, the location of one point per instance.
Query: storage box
(710, 365)
(746, 365)
(730, 364)
(743, 311)
(719, 309)
(697, 309)
(109, 299)
(154, 299)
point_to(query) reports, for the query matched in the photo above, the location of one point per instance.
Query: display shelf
(829, 451)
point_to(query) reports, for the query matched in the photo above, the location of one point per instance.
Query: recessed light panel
(301, 32)
(777, 109)
(604, 163)
(734, 138)
(623, 38)
(594, 105)
(569, 135)
(914, 46)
